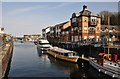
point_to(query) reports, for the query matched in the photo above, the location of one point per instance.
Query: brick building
(85, 25)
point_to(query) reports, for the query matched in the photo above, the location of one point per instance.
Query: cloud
(63, 5)
(27, 9)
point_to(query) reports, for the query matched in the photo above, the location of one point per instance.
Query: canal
(27, 62)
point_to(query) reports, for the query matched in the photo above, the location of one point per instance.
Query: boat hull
(104, 69)
(69, 59)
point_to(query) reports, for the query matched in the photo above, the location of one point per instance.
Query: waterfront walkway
(5, 54)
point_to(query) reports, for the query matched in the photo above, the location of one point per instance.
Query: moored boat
(43, 44)
(63, 54)
(109, 66)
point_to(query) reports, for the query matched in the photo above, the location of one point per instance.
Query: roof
(43, 41)
(85, 12)
(66, 25)
(60, 50)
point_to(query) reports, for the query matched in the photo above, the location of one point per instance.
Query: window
(74, 19)
(63, 33)
(72, 29)
(74, 54)
(72, 38)
(66, 54)
(85, 27)
(85, 37)
(67, 32)
(91, 29)
(76, 38)
(80, 28)
(75, 28)
(80, 37)
(97, 28)
(97, 21)
(85, 19)
(80, 20)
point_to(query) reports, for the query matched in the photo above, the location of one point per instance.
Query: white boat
(106, 66)
(43, 44)
(63, 54)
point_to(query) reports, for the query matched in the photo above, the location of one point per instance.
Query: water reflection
(81, 70)
(29, 62)
(68, 67)
(71, 69)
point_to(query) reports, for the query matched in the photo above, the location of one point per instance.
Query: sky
(20, 18)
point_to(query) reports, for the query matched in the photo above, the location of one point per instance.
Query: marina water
(28, 62)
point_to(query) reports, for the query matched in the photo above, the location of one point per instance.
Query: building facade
(85, 26)
(113, 32)
(46, 32)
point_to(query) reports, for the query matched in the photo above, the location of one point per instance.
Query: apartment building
(85, 25)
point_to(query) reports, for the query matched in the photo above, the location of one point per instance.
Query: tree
(113, 17)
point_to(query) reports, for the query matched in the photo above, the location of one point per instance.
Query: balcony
(93, 23)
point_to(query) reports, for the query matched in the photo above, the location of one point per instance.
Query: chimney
(84, 7)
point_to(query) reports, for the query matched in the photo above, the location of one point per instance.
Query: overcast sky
(19, 18)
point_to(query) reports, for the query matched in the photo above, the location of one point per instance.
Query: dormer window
(93, 20)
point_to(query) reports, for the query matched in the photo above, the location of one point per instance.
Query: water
(28, 62)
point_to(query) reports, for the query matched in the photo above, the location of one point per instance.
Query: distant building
(1, 30)
(4, 37)
(31, 37)
(45, 32)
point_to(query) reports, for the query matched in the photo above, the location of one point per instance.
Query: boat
(35, 42)
(63, 54)
(107, 66)
(43, 44)
(107, 63)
